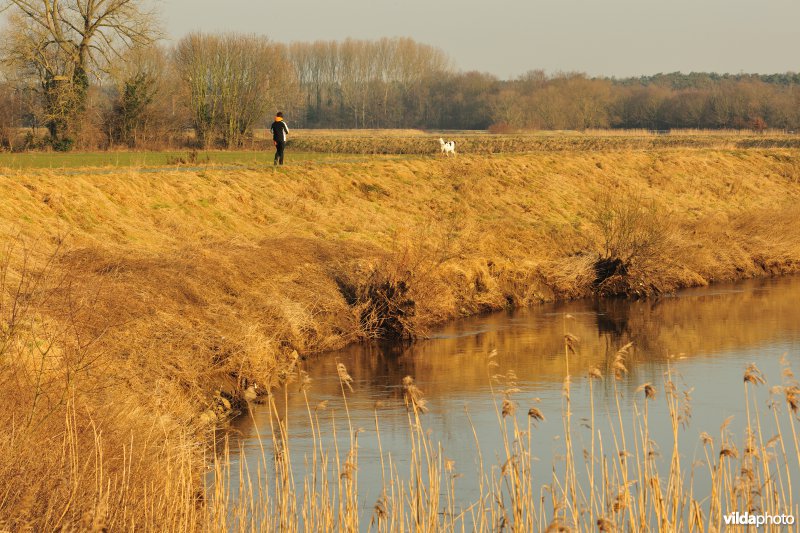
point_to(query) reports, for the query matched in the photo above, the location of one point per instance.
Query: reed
(635, 489)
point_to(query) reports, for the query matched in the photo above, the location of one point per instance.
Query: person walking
(280, 131)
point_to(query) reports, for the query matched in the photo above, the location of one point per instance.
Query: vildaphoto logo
(747, 519)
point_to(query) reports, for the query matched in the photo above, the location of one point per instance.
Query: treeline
(442, 98)
(661, 102)
(93, 75)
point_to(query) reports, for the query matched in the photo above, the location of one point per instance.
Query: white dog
(448, 147)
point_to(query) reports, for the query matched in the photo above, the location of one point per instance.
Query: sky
(510, 37)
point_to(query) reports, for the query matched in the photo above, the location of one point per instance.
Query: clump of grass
(73, 459)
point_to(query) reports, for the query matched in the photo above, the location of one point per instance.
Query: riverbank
(138, 307)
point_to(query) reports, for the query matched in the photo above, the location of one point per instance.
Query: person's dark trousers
(279, 146)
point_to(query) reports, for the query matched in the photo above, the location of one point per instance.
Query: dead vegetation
(635, 234)
(137, 308)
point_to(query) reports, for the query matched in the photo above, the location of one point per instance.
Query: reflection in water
(611, 317)
(704, 337)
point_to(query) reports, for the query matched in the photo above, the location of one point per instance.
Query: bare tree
(64, 42)
(193, 58)
(256, 80)
(233, 82)
(356, 69)
(367, 83)
(9, 115)
(144, 108)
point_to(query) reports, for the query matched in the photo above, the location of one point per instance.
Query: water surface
(703, 337)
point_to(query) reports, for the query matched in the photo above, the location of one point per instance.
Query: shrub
(633, 232)
(380, 298)
(500, 127)
(64, 144)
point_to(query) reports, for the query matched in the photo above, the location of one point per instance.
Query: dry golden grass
(138, 307)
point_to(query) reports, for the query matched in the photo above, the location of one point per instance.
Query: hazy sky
(509, 37)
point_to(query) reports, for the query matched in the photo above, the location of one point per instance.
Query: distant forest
(123, 88)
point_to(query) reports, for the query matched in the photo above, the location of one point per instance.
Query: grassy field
(139, 307)
(171, 159)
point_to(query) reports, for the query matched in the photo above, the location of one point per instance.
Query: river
(703, 338)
